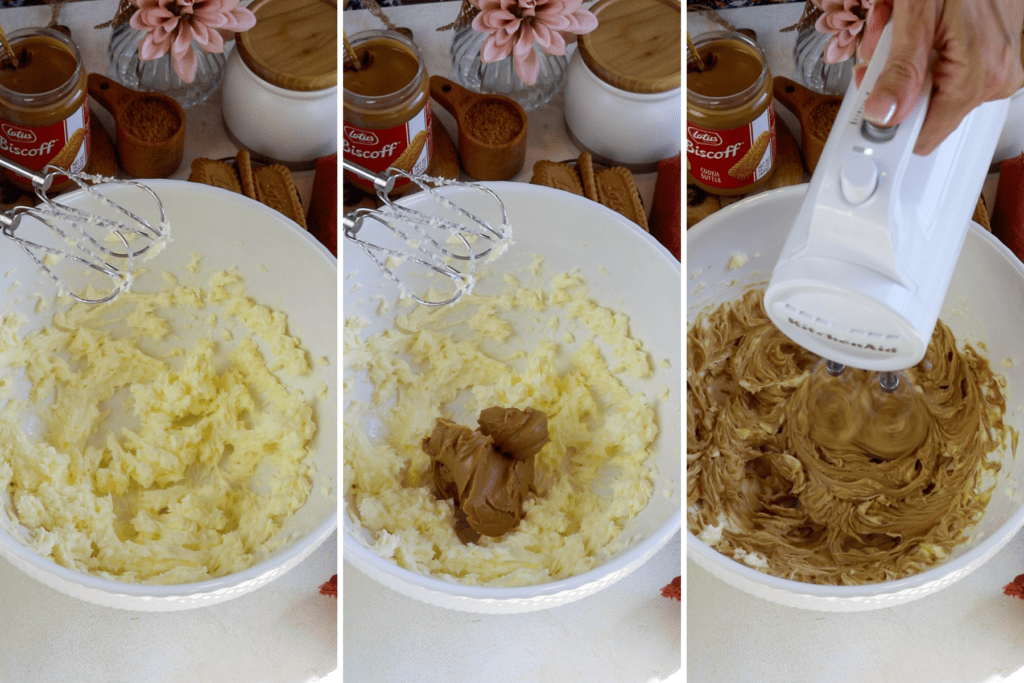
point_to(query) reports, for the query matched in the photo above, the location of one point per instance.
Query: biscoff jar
(44, 108)
(730, 121)
(386, 108)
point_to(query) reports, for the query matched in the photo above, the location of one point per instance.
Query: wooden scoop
(814, 111)
(492, 130)
(150, 141)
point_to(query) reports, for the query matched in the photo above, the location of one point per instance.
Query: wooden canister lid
(636, 46)
(294, 44)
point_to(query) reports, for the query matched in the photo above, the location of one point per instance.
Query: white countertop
(285, 632)
(967, 633)
(627, 633)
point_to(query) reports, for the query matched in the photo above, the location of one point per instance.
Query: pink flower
(172, 25)
(514, 26)
(844, 19)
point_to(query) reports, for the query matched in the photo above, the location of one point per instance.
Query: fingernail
(880, 108)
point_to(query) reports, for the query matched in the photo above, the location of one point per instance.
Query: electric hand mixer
(864, 271)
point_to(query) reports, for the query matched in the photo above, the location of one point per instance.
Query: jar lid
(294, 44)
(637, 45)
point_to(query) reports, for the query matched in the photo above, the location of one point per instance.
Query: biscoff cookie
(585, 167)
(746, 165)
(215, 172)
(981, 214)
(102, 153)
(276, 189)
(616, 189)
(699, 205)
(557, 175)
(445, 161)
(243, 166)
(407, 158)
(68, 153)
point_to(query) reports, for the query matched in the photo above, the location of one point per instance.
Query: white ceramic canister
(280, 92)
(1011, 141)
(623, 99)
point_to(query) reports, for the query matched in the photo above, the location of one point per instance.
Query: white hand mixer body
(864, 271)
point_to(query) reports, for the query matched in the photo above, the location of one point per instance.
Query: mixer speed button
(858, 179)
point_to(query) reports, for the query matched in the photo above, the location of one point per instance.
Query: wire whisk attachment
(106, 240)
(449, 239)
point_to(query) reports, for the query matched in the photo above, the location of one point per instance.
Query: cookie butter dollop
(488, 472)
(831, 480)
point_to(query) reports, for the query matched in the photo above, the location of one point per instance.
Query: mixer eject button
(858, 179)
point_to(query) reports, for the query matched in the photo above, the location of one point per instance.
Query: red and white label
(723, 159)
(35, 146)
(378, 149)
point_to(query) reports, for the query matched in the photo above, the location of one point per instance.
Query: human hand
(977, 59)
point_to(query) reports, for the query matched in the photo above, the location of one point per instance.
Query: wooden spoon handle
(112, 95)
(452, 96)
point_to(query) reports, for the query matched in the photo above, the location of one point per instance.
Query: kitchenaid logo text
(846, 342)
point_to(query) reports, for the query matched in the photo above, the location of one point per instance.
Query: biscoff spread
(44, 108)
(487, 472)
(730, 121)
(385, 67)
(386, 109)
(729, 68)
(42, 65)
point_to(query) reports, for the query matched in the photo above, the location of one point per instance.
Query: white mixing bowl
(284, 267)
(985, 303)
(625, 269)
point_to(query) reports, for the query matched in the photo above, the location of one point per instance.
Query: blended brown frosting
(488, 472)
(831, 480)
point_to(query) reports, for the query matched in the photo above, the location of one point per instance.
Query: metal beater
(52, 232)
(430, 241)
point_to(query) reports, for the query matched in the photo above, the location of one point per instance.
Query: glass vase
(157, 75)
(811, 68)
(500, 78)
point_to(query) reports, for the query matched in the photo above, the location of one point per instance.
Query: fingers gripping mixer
(866, 266)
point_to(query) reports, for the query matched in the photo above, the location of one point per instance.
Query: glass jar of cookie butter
(730, 121)
(386, 108)
(44, 108)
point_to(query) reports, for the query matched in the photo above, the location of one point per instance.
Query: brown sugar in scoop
(150, 128)
(492, 130)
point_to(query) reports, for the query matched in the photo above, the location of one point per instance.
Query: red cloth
(673, 590)
(1015, 588)
(1008, 215)
(330, 588)
(322, 217)
(665, 222)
